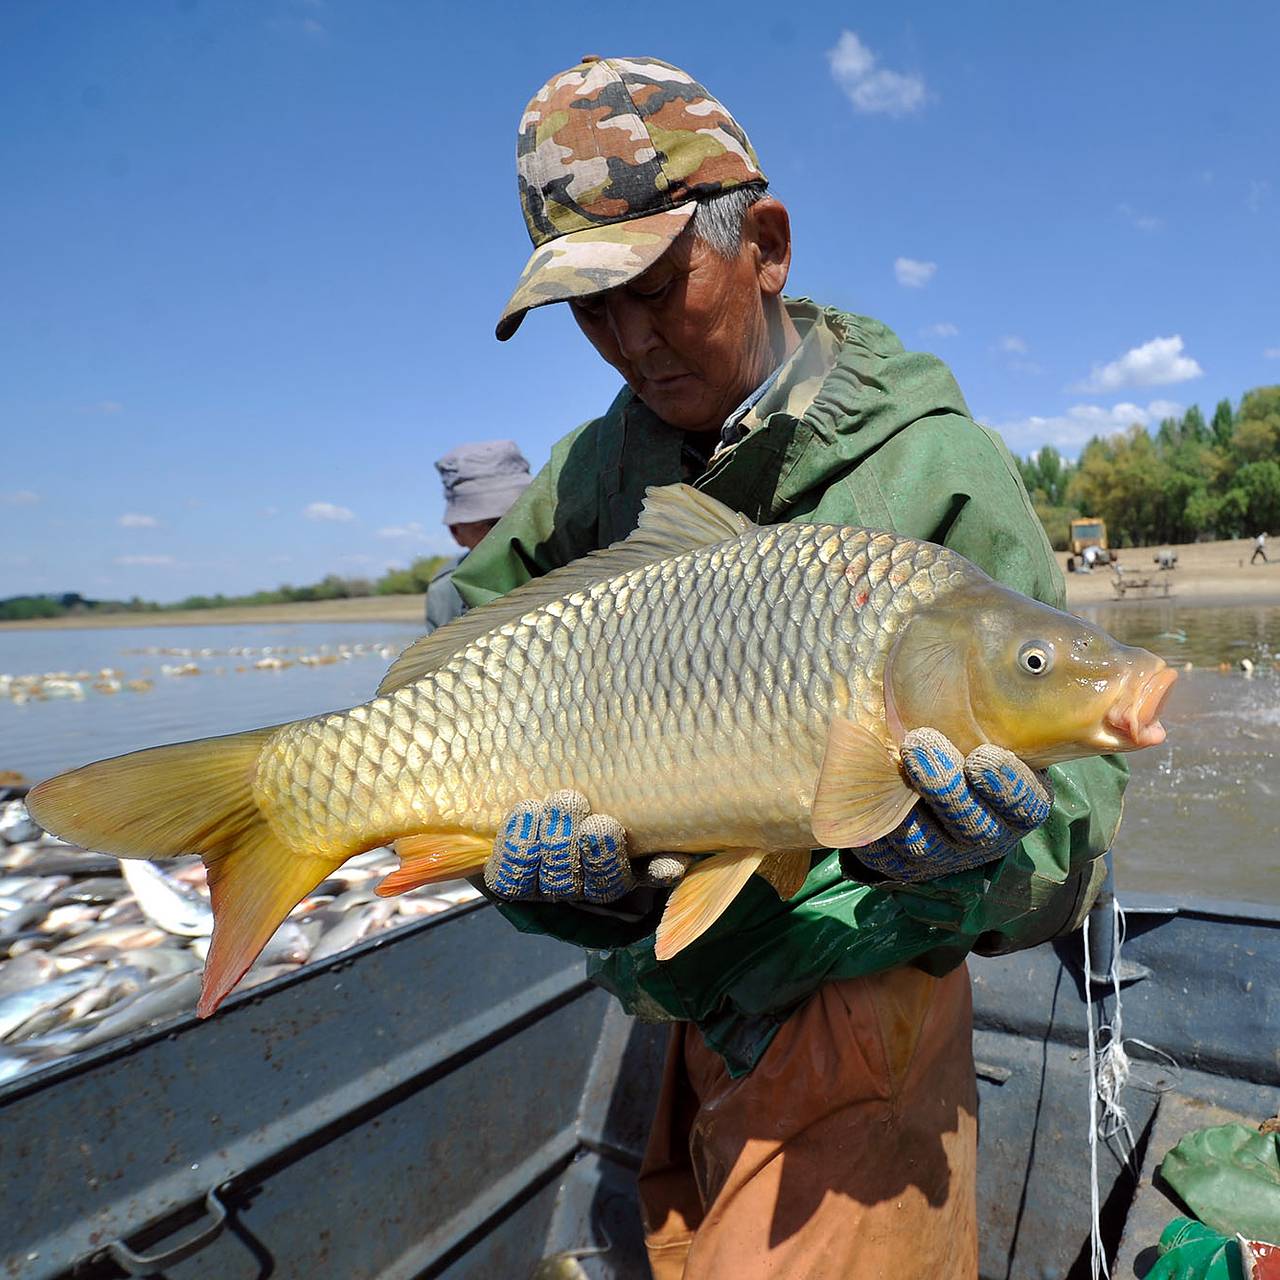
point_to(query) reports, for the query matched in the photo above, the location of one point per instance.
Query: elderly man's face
(692, 335)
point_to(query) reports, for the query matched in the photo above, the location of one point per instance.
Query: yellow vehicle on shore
(1087, 532)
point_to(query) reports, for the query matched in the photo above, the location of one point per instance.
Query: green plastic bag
(1229, 1177)
(1191, 1251)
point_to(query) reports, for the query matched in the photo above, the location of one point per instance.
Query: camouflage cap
(612, 157)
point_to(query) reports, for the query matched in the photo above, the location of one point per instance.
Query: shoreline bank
(1215, 573)
(361, 609)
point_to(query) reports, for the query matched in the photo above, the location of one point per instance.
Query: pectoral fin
(861, 794)
(433, 856)
(786, 871)
(701, 898)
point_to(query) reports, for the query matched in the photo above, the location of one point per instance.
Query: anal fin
(702, 896)
(861, 794)
(786, 871)
(433, 856)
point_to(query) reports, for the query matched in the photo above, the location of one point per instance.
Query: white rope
(1109, 1071)
(1098, 1256)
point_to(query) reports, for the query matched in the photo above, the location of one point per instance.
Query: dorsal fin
(674, 519)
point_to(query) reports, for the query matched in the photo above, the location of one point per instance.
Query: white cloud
(1013, 345)
(1142, 221)
(873, 90)
(1068, 431)
(1259, 190)
(912, 273)
(1154, 364)
(328, 511)
(268, 512)
(108, 406)
(411, 530)
(19, 498)
(944, 330)
(132, 520)
(144, 560)
(1272, 353)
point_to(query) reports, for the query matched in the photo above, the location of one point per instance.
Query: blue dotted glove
(974, 809)
(557, 850)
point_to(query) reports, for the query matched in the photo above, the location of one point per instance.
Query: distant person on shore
(481, 480)
(1259, 548)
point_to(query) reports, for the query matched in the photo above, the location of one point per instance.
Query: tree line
(1192, 479)
(410, 581)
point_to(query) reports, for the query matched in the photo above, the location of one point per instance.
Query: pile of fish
(93, 948)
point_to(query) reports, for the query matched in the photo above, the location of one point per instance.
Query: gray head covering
(482, 480)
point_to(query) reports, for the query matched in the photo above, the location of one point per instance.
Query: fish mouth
(1136, 718)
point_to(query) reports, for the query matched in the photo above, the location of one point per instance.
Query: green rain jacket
(887, 442)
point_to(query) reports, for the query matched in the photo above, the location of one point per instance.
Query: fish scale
(632, 691)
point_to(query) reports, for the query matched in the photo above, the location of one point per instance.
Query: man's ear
(769, 226)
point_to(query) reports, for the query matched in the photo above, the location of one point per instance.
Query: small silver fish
(352, 928)
(168, 905)
(25, 1005)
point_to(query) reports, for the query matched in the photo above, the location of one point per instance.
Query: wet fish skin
(120, 936)
(161, 961)
(288, 945)
(25, 972)
(352, 928)
(20, 919)
(28, 888)
(25, 1005)
(170, 906)
(94, 891)
(58, 858)
(16, 825)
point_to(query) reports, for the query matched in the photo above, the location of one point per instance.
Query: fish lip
(1135, 719)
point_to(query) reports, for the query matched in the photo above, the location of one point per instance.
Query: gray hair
(717, 221)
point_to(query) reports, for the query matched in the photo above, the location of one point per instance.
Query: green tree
(1257, 430)
(410, 581)
(1260, 482)
(1224, 423)
(1193, 426)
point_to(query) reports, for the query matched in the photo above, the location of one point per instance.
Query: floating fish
(720, 688)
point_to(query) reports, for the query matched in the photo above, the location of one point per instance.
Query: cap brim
(590, 261)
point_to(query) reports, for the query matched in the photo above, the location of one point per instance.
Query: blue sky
(253, 252)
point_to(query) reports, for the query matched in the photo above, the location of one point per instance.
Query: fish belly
(690, 699)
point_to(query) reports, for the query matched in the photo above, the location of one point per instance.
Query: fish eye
(1036, 657)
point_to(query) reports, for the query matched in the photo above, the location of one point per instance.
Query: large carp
(718, 687)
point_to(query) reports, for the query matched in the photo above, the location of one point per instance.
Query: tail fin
(193, 797)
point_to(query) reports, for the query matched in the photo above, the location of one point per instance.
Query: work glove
(973, 809)
(557, 850)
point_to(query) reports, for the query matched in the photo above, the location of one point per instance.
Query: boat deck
(455, 1099)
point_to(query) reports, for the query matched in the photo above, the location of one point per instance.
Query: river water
(1202, 814)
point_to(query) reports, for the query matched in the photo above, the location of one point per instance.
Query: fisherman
(817, 1113)
(481, 480)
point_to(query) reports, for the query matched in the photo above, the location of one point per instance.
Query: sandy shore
(364, 609)
(1207, 573)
